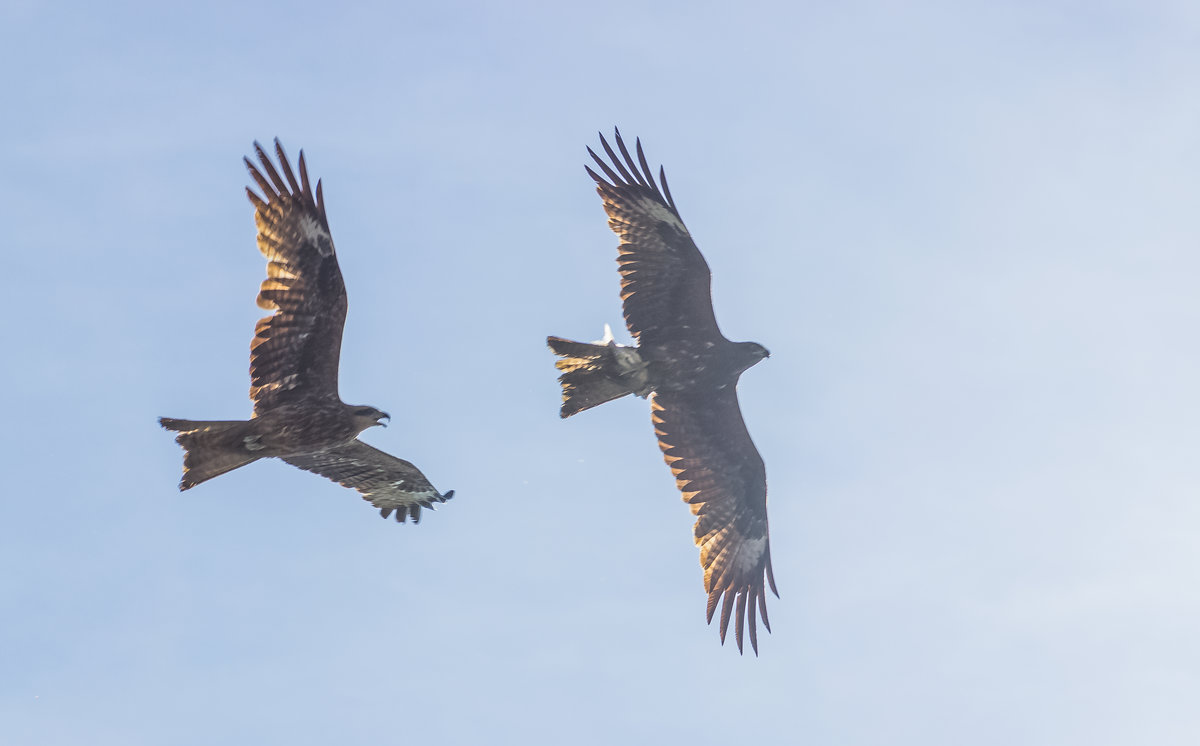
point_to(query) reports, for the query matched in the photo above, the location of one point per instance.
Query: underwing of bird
(298, 415)
(691, 371)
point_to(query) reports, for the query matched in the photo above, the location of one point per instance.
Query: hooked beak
(381, 422)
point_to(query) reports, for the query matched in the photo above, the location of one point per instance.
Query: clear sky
(967, 232)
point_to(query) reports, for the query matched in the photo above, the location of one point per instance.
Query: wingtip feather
(740, 620)
(726, 610)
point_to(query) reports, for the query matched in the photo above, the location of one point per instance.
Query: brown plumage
(298, 414)
(692, 370)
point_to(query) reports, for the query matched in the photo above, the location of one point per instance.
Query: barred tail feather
(211, 447)
(593, 374)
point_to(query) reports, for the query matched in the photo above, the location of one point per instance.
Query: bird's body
(689, 364)
(292, 429)
(691, 370)
(286, 430)
(298, 414)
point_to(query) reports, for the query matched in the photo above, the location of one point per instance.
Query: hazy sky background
(968, 233)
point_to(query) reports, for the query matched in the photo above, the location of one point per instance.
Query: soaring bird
(692, 371)
(298, 414)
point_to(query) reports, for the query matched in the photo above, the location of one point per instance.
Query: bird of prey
(692, 370)
(298, 414)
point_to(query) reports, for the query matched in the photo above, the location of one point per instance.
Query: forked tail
(211, 447)
(593, 373)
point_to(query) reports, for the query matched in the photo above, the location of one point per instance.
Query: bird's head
(752, 353)
(366, 417)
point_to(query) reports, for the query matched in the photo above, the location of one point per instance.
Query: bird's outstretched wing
(388, 483)
(295, 351)
(666, 286)
(721, 475)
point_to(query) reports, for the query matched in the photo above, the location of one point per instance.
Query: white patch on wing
(317, 235)
(751, 554)
(655, 209)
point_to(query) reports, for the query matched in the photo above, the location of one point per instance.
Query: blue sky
(966, 231)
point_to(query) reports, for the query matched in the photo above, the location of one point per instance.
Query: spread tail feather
(211, 447)
(594, 373)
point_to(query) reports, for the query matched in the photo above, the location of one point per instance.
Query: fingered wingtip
(730, 599)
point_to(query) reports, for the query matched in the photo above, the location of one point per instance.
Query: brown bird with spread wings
(298, 414)
(692, 370)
